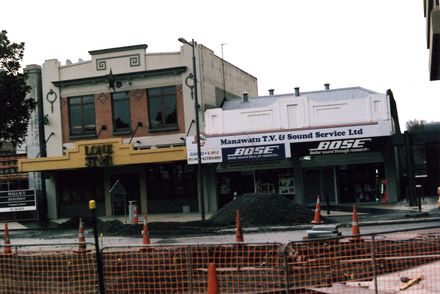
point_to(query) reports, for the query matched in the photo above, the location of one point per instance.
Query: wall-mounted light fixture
(51, 97)
(103, 128)
(139, 125)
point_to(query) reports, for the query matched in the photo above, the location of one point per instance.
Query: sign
(216, 142)
(99, 155)
(17, 200)
(337, 146)
(208, 156)
(259, 152)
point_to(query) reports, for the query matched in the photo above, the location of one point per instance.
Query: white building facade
(333, 143)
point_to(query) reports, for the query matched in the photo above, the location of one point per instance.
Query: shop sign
(208, 156)
(336, 146)
(99, 155)
(259, 152)
(216, 142)
(17, 200)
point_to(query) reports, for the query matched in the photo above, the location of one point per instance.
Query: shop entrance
(234, 184)
(126, 191)
(359, 182)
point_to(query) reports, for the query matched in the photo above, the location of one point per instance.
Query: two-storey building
(115, 126)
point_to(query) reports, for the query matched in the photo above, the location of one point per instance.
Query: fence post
(92, 207)
(286, 268)
(373, 260)
(190, 270)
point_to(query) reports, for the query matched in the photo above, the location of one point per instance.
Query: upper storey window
(121, 112)
(82, 115)
(162, 108)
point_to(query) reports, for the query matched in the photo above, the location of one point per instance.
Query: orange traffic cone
(354, 225)
(7, 249)
(239, 232)
(212, 279)
(317, 217)
(145, 234)
(81, 237)
(135, 215)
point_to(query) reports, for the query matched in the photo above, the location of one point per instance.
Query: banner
(337, 146)
(261, 152)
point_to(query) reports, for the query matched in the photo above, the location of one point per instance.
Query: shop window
(82, 116)
(162, 108)
(121, 112)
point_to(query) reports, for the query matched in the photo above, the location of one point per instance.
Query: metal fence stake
(92, 207)
(373, 260)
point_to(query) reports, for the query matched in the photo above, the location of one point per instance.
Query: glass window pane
(155, 112)
(154, 92)
(88, 99)
(169, 109)
(169, 90)
(121, 115)
(120, 95)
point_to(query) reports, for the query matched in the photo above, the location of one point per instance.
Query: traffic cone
(239, 232)
(145, 233)
(212, 279)
(7, 249)
(354, 225)
(81, 237)
(317, 216)
(135, 215)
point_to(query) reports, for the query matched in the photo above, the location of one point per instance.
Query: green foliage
(415, 125)
(15, 109)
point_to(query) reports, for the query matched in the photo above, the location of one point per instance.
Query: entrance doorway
(359, 182)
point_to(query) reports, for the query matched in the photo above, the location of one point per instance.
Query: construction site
(323, 262)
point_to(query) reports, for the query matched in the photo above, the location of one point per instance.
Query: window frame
(84, 133)
(126, 100)
(163, 127)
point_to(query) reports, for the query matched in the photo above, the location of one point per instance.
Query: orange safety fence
(388, 262)
(48, 268)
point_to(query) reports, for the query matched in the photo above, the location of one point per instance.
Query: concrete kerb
(342, 225)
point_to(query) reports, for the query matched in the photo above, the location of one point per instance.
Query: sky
(374, 44)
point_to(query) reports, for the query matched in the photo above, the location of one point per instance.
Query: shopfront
(115, 174)
(343, 165)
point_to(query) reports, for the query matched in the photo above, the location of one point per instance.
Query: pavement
(368, 214)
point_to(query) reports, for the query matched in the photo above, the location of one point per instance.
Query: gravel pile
(256, 209)
(263, 209)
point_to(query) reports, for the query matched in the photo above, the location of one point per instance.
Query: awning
(102, 153)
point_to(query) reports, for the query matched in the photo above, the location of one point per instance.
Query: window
(82, 115)
(121, 112)
(162, 108)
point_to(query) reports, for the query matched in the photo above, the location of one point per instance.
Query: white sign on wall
(216, 144)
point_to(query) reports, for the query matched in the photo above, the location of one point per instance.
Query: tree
(15, 109)
(415, 125)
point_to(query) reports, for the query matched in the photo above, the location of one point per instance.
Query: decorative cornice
(118, 49)
(132, 75)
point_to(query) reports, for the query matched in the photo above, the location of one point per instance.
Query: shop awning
(102, 153)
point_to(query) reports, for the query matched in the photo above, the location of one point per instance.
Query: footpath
(369, 214)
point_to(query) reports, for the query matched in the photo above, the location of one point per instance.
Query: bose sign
(254, 152)
(338, 146)
(342, 144)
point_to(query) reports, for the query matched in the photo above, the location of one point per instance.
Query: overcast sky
(375, 44)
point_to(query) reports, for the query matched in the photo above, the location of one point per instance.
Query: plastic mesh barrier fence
(377, 263)
(27, 270)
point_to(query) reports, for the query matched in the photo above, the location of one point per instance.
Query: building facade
(333, 143)
(115, 126)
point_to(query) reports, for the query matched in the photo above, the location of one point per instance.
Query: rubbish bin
(131, 205)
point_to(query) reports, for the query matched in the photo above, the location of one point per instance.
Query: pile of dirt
(263, 209)
(256, 209)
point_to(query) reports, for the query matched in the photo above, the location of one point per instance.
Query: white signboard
(216, 144)
(17, 200)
